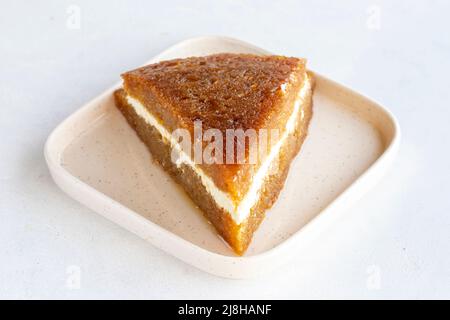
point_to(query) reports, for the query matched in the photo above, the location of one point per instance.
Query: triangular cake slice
(231, 96)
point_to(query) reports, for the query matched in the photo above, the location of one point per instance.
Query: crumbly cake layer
(237, 235)
(224, 91)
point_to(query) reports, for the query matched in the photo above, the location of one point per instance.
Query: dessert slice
(234, 97)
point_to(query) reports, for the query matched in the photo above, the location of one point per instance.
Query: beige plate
(97, 159)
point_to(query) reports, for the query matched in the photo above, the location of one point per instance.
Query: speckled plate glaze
(97, 159)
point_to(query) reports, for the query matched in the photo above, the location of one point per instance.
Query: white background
(394, 243)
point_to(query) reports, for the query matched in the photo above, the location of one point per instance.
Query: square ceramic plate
(97, 159)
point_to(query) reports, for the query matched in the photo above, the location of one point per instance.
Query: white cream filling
(241, 212)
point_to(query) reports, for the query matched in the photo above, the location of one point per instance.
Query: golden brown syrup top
(224, 91)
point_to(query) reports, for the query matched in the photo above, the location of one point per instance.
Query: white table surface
(394, 243)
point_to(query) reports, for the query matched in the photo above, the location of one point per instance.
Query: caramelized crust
(224, 91)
